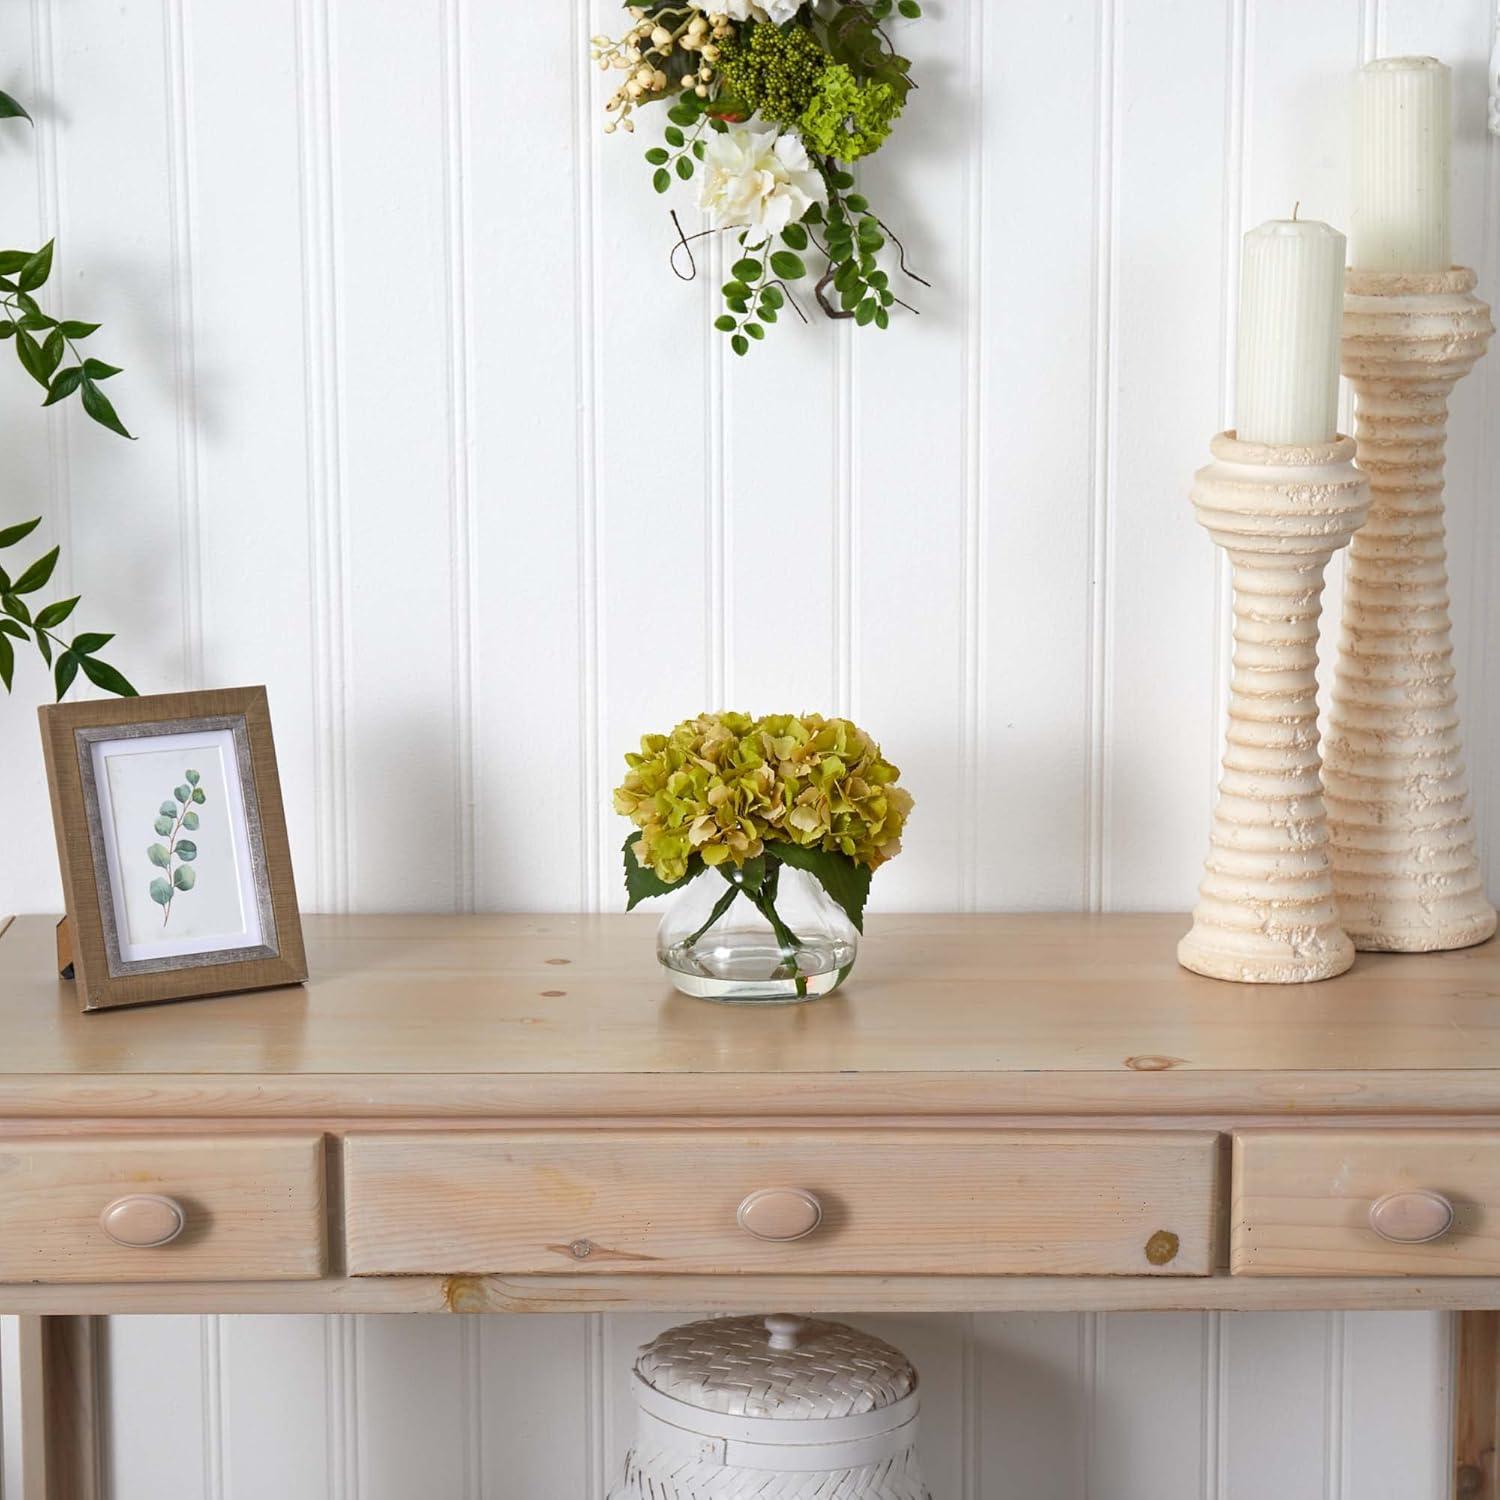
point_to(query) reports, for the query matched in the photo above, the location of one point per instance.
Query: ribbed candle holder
(1266, 911)
(1405, 864)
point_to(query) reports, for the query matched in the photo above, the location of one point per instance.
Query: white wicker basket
(777, 1408)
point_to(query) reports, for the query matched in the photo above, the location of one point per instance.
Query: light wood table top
(558, 1015)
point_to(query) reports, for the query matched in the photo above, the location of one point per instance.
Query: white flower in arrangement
(757, 177)
(779, 11)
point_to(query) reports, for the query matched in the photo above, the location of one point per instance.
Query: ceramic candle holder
(1266, 911)
(1405, 864)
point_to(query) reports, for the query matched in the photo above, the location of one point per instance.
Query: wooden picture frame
(111, 765)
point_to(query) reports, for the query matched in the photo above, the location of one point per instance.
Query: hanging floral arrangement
(769, 106)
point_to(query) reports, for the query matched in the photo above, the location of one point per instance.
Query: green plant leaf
(163, 825)
(29, 352)
(75, 330)
(15, 608)
(191, 777)
(755, 330)
(846, 881)
(158, 855)
(10, 535)
(787, 265)
(190, 820)
(64, 673)
(794, 237)
(658, 157)
(101, 674)
(37, 269)
(168, 809)
(685, 167)
(182, 793)
(37, 574)
(161, 892)
(724, 323)
(96, 404)
(11, 261)
(661, 179)
(11, 110)
(747, 270)
(864, 314)
(198, 795)
(64, 383)
(909, 8)
(184, 878)
(56, 612)
(86, 645)
(52, 353)
(7, 661)
(641, 883)
(96, 369)
(13, 627)
(45, 647)
(740, 344)
(185, 849)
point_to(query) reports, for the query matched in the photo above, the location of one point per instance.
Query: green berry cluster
(847, 119)
(772, 71)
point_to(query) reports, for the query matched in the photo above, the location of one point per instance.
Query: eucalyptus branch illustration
(171, 819)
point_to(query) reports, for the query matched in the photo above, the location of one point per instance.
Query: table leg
(51, 1432)
(1477, 1406)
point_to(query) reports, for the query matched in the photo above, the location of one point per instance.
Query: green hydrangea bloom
(772, 71)
(723, 786)
(845, 118)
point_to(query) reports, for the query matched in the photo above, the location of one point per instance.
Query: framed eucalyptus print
(172, 839)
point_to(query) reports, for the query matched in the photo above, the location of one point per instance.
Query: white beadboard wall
(433, 444)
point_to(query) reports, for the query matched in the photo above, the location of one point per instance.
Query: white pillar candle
(1403, 145)
(1291, 310)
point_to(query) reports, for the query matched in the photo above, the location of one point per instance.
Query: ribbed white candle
(1291, 309)
(1403, 144)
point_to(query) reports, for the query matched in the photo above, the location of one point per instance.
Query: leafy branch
(21, 273)
(19, 623)
(171, 819)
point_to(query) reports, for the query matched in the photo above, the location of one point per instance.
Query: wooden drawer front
(1303, 1201)
(251, 1208)
(937, 1202)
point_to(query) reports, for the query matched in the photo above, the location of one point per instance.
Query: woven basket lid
(786, 1367)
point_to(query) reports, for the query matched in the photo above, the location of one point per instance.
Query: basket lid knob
(785, 1329)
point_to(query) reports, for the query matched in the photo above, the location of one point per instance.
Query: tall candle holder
(1266, 912)
(1405, 865)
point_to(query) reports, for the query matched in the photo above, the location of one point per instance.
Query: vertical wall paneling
(1272, 1395)
(153, 1409)
(322, 313)
(1167, 249)
(395, 267)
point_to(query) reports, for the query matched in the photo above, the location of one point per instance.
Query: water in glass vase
(781, 943)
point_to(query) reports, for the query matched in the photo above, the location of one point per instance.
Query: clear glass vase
(784, 943)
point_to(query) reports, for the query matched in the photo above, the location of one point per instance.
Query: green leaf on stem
(64, 673)
(7, 661)
(37, 574)
(96, 369)
(86, 645)
(37, 269)
(29, 352)
(64, 383)
(846, 881)
(641, 883)
(56, 612)
(96, 404)
(11, 110)
(10, 535)
(101, 674)
(787, 265)
(75, 330)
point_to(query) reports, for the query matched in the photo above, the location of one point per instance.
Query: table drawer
(178, 1208)
(691, 1201)
(1366, 1203)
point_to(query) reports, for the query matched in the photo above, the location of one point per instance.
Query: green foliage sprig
(176, 856)
(18, 622)
(22, 272)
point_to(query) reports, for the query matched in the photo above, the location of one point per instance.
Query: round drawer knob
(1412, 1217)
(143, 1220)
(780, 1214)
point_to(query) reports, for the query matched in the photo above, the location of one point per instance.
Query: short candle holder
(1266, 911)
(1406, 869)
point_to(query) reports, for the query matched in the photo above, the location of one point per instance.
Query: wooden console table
(474, 1114)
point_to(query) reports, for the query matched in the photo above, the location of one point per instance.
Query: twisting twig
(901, 256)
(684, 242)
